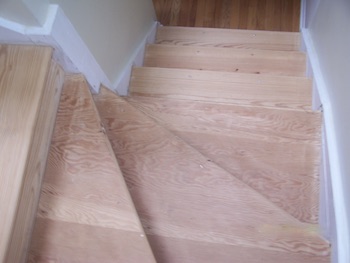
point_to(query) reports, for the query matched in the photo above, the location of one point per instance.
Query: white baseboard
(334, 219)
(121, 86)
(70, 51)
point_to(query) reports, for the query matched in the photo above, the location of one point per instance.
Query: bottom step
(85, 212)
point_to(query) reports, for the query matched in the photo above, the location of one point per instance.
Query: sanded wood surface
(276, 15)
(85, 212)
(243, 89)
(197, 251)
(36, 165)
(231, 38)
(22, 87)
(181, 194)
(276, 152)
(257, 61)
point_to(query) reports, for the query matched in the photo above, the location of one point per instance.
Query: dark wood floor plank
(273, 15)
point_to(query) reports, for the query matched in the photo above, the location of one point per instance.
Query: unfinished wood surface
(36, 165)
(224, 87)
(197, 251)
(256, 61)
(229, 38)
(22, 84)
(275, 15)
(72, 242)
(84, 202)
(276, 152)
(180, 193)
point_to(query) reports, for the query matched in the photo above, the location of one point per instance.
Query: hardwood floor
(273, 15)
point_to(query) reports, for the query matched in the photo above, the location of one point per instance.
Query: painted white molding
(340, 241)
(70, 51)
(121, 85)
(302, 14)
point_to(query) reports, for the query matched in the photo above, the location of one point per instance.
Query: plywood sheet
(23, 72)
(256, 61)
(229, 38)
(276, 152)
(85, 203)
(180, 193)
(223, 87)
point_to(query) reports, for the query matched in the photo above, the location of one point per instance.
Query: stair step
(230, 38)
(276, 152)
(180, 194)
(197, 251)
(287, 63)
(243, 89)
(85, 212)
(29, 92)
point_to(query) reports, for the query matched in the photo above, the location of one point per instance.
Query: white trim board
(70, 51)
(121, 85)
(340, 241)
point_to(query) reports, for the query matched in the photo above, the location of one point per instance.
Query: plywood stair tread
(182, 196)
(229, 38)
(274, 151)
(85, 212)
(30, 85)
(225, 87)
(257, 61)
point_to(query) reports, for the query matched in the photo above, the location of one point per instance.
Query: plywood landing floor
(85, 212)
(189, 206)
(275, 15)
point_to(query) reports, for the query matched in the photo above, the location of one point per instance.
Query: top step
(231, 38)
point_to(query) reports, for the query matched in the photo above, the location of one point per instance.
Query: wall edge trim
(121, 85)
(70, 51)
(341, 219)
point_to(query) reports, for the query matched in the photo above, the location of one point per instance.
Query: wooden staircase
(219, 147)
(213, 157)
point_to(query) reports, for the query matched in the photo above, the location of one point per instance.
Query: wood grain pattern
(23, 71)
(223, 87)
(276, 152)
(232, 38)
(80, 243)
(179, 193)
(255, 61)
(196, 251)
(274, 15)
(84, 202)
(36, 165)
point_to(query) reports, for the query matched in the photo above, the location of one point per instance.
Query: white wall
(26, 12)
(111, 29)
(329, 29)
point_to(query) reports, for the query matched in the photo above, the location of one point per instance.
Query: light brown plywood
(196, 251)
(256, 61)
(179, 193)
(81, 243)
(223, 87)
(85, 203)
(229, 38)
(22, 88)
(26, 212)
(276, 152)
